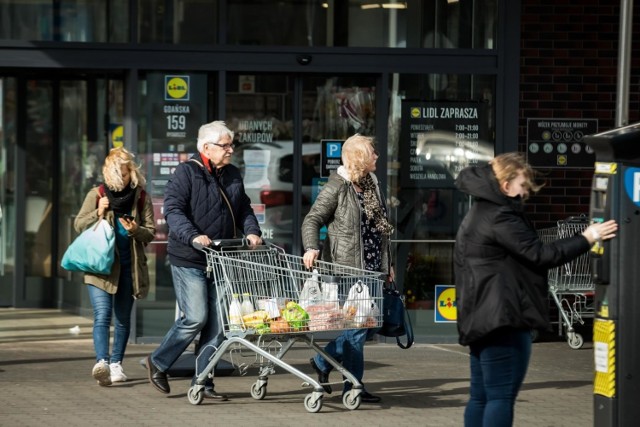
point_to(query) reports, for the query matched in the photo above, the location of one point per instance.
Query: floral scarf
(372, 206)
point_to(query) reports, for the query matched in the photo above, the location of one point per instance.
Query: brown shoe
(157, 378)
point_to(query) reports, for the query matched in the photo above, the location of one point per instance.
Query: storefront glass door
(280, 122)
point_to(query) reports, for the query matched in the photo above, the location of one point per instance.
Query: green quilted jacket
(338, 208)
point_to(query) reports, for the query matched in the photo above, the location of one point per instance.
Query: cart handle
(232, 244)
(222, 243)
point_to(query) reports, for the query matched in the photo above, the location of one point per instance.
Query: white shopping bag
(311, 293)
(359, 306)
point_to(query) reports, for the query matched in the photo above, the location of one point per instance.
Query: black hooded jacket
(500, 263)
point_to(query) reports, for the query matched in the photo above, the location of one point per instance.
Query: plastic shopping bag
(92, 251)
(359, 307)
(311, 293)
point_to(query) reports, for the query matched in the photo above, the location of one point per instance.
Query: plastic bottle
(235, 314)
(247, 305)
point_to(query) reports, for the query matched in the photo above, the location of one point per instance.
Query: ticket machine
(615, 268)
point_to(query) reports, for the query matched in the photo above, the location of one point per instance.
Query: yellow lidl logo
(176, 88)
(415, 113)
(446, 310)
(117, 137)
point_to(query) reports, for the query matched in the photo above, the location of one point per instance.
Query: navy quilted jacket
(194, 205)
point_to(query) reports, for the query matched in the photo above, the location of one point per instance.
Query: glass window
(438, 125)
(39, 203)
(259, 111)
(8, 138)
(333, 108)
(459, 24)
(173, 106)
(67, 21)
(177, 21)
(396, 24)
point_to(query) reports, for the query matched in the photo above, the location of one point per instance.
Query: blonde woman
(121, 200)
(353, 209)
(500, 267)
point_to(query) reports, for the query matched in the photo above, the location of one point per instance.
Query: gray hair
(211, 133)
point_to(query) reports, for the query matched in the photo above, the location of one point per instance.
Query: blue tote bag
(92, 251)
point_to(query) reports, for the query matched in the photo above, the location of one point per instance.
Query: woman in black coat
(501, 268)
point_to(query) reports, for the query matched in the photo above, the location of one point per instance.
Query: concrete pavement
(45, 379)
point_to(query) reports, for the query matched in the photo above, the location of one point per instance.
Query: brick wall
(569, 57)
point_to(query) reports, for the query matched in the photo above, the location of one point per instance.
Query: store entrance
(54, 140)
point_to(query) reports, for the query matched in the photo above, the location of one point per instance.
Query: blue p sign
(334, 150)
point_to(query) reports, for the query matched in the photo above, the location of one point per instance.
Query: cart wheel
(576, 342)
(195, 397)
(351, 400)
(258, 392)
(312, 406)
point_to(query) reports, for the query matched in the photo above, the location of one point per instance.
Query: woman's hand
(130, 225)
(310, 256)
(103, 205)
(598, 232)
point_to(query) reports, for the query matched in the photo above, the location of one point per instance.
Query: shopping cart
(274, 282)
(570, 285)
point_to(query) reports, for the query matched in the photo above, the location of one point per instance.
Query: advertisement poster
(440, 138)
(558, 143)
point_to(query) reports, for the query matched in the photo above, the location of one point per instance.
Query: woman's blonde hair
(112, 169)
(356, 155)
(507, 166)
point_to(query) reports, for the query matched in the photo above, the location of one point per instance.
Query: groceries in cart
(317, 309)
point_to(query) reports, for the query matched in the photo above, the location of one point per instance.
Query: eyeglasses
(224, 146)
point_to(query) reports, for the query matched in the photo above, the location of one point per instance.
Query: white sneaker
(102, 373)
(117, 374)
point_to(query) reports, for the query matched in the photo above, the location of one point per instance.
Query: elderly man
(205, 200)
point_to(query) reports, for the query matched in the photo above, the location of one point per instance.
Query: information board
(439, 139)
(557, 143)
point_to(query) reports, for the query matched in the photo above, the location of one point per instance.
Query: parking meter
(615, 269)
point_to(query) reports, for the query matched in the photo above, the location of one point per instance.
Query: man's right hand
(202, 240)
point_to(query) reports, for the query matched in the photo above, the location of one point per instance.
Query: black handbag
(395, 319)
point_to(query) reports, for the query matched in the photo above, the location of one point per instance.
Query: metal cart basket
(570, 285)
(278, 285)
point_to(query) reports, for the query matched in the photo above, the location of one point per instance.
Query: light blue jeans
(348, 349)
(498, 367)
(120, 304)
(198, 301)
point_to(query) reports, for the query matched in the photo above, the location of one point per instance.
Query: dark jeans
(498, 367)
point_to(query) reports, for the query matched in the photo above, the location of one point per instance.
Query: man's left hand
(254, 240)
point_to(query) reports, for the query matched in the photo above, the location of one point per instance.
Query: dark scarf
(121, 202)
(372, 206)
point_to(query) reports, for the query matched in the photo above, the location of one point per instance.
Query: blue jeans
(120, 304)
(498, 367)
(198, 301)
(347, 349)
